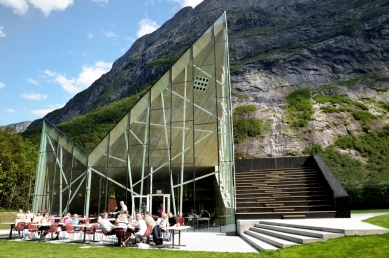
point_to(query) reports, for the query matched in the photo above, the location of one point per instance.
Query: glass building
(173, 149)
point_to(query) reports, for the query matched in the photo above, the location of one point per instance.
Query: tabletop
(177, 228)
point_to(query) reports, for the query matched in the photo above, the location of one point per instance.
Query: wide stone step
(282, 198)
(258, 243)
(286, 187)
(315, 191)
(285, 170)
(263, 175)
(300, 208)
(275, 241)
(300, 231)
(256, 178)
(280, 215)
(279, 182)
(296, 238)
(300, 226)
(285, 203)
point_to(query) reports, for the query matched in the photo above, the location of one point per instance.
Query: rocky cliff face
(331, 47)
(19, 127)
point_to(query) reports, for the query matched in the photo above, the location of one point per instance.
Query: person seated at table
(117, 217)
(20, 218)
(106, 225)
(122, 221)
(38, 217)
(149, 220)
(29, 216)
(21, 214)
(75, 219)
(100, 216)
(163, 225)
(127, 215)
(44, 219)
(142, 227)
(172, 219)
(66, 220)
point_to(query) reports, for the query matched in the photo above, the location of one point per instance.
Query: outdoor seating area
(93, 230)
(92, 235)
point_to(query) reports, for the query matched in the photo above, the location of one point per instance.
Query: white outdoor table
(85, 228)
(42, 226)
(203, 219)
(12, 226)
(180, 228)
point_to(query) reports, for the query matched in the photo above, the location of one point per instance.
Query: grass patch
(7, 217)
(341, 100)
(299, 108)
(369, 211)
(381, 221)
(244, 109)
(164, 61)
(353, 246)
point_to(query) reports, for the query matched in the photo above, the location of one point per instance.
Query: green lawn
(7, 217)
(370, 211)
(353, 246)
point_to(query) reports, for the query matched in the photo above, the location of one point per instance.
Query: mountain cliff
(19, 127)
(331, 48)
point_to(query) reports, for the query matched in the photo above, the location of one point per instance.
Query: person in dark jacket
(172, 219)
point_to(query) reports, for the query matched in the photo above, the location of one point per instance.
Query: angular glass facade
(174, 147)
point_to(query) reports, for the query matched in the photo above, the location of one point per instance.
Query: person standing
(160, 210)
(124, 207)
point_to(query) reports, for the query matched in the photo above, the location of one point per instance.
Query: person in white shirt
(29, 216)
(21, 214)
(20, 218)
(142, 227)
(124, 207)
(106, 225)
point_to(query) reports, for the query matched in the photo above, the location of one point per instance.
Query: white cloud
(10, 110)
(18, 6)
(32, 81)
(49, 73)
(184, 3)
(109, 34)
(146, 26)
(2, 34)
(43, 112)
(88, 75)
(33, 96)
(2, 85)
(46, 6)
(101, 2)
(89, 35)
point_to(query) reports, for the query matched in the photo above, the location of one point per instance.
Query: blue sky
(52, 49)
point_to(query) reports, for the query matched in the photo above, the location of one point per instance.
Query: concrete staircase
(287, 193)
(270, 235)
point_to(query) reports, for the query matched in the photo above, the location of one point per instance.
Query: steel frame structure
(177, 137)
